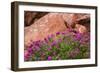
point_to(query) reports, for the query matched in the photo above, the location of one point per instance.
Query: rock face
(52, 23)
(70, 18)
(49, 24)
(31, 17)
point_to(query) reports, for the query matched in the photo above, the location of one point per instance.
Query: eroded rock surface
(49, 24)
(31, 17)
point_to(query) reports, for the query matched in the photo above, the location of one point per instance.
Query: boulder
(31, 17)
(46, 25)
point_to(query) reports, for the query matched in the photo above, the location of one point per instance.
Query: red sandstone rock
(80, 28)
(49, 24)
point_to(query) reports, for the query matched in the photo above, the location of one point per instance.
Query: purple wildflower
(49, 58)
(37, 43)
(30, 50)
(63, 33)
(74, 53)
(49, 37)
(78, 36)
(49, 49)
(53, 43)
(52, 35)
(58, 33)
(31, 46)
(36, 48)
(26, 55)
(46, 40)
(60, 40)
